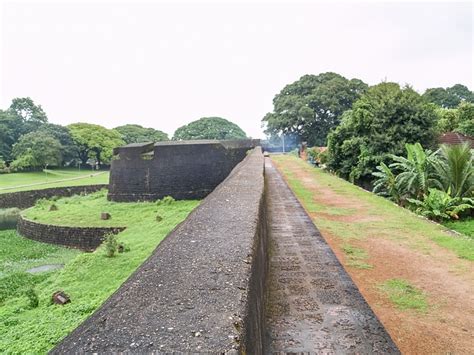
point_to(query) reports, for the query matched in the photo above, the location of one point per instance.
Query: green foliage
(416, 171)
(455, 169)
(312, 105)
(110, 244)
(11, 128)
(94, 141)
(386, 184)
(394, 223)
(323, 157)
(32, 296)
(404, 295)
(381, 122)
(466, 119)
(209, 128)
(133, 133)
(88, 278)
(33, 180)
(62, 134)
(36, 150)
(449, 97)
(439, 205)
(165, 201)
(9, 218)
(465, 226)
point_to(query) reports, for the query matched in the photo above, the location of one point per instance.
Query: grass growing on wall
(88, 278)
(14, 182)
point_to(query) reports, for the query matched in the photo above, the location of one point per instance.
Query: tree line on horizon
(363, 125)
(29, 142)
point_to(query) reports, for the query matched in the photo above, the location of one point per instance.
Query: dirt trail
(312, 304)
(448, 324)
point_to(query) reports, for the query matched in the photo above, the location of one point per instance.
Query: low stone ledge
(201, 290)
(84, 238)
(26, 199)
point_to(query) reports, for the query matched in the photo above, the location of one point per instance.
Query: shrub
(9, 218)
(33, 300)
(323, 157)
(111, 244)
(439, 205)
(165, 201)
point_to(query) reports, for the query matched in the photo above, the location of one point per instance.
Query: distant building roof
(452, 138)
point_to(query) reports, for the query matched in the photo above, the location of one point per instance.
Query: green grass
(404, 295)
(393, 222)
(465, 227)
(356, 257)
(14, 182)
(88, 278)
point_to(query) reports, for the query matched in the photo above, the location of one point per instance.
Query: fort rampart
(202, 289)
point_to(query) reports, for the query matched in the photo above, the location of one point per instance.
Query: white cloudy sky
(163, 65)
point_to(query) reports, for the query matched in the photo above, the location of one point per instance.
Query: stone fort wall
(184, 170)
(202, 289)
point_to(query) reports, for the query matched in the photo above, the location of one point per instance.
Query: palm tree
(455, 170)
(417, 173)
(386, 185)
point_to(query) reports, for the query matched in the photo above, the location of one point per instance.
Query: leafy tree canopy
(133, 133)
(10, 131)
(381, 122)
(209, 128)
(63, 135)
(459, 119)
(31, 115)
(94, 141)
(313, 105)
(449, 97)
(35, 150)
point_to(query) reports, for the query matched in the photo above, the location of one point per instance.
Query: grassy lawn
(465, 227)
(50, 178)
(387, 217)
(88, 278)
(404, 295)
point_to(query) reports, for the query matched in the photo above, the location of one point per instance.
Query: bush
(9, 218)
(439, 205)
(111, 244)
(33, 300)
(165, 201)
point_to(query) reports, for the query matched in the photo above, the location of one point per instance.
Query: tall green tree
(63, 135)
(312, 106)
(455, 170)
(11, 128)
(37, 150)
(133, 133)
(32, 115)
(381, 122)
(209, 128)
(450, 97)
(94, 141)
(466, 119)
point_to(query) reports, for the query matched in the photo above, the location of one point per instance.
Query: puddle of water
(44, 268)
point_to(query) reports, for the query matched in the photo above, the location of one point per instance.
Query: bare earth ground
(447, 326)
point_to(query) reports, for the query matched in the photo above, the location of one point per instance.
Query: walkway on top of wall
(313, 305)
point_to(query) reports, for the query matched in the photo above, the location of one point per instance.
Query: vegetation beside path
(88, 278)
(416, 275)
(36, 180)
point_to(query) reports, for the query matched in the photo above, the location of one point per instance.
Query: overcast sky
(163, 65)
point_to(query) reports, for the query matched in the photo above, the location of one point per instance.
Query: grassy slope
(465, 227)
(88, 278)
(397, 222)
(14, 180)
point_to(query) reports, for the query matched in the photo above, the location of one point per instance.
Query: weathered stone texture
(84, 238)
(201, 290)
(184, 170)
(25, 199)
